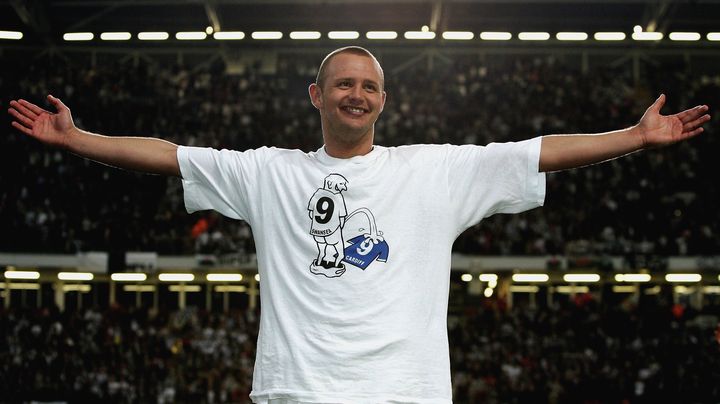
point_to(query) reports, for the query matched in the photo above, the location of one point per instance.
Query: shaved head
(355, 50)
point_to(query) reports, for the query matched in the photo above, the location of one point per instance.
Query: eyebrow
(369, 81)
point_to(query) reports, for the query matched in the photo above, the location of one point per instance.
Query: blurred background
(111, 291)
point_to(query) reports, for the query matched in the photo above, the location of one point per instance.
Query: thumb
(59, 106)
(658, 104)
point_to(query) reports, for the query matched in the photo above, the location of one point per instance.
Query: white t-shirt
(372, 335)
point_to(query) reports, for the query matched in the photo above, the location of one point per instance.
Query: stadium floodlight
(624, 289)
(466, 277)
(153, 36)
(184, 288)
(77, 288)
(381, 35)
(647, 36)
(115, 36)
(20, 286)
(305, 35)
(571, 36)
(343, 35)
(609, 36)
(257, 277)
(224, 277)
(230, 288)
(176, 277)
(75, 276)
(530, 277)
(265, 35)
(458, 35)
(581, 278)
(139, 288)
(683, 277)
(495, 36)
(488, 292)
(190, 35)
(568, 290)
(22, 275)
(229, 35)
(632, 278)
(11, 35)
(419, 35)
(128, 277)
(78, 36)
(524, 289)
(488, 277)
(534, 36)
(713, 36)
(684, 36)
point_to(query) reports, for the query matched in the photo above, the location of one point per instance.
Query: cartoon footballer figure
(328, 212)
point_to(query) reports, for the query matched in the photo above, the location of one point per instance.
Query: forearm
(150, 155)
(562, 152)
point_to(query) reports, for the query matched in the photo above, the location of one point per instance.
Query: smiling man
(352, 313)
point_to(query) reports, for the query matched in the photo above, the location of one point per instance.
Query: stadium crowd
(575, 352)
(660, 202)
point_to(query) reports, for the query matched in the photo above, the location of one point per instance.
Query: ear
(384, 96)
(315, 95)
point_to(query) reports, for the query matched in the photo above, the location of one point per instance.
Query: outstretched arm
(561, 152)
(149, 155)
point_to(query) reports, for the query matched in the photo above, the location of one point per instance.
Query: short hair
(355, 50)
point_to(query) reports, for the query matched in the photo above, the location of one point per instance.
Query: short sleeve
(221, 180)
(497, 178)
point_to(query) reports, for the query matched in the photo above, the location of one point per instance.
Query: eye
(371, 87)
(344, 83)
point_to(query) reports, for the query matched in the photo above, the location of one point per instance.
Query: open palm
(50, 128)
(660, 130)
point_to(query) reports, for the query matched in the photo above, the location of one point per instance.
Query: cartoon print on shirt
(329, 217)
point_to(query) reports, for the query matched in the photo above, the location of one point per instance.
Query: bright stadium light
(305, 35)
(224, 277)
(581, 278)
(139, 288)
(488, 292)
(230, 288)
(184, 288)
(343, 35)
(534, 36)
(609, 36)
(684, 36)
(75, 276)
(128, 277)
(488, 277)
(530, 277)
(419, 35)
(647, 36)
(266, 35)
(713, 36)
(115, 36)
(22, 274)
(153, 36)
(495, 36)
(632, 278)
(466, 277)
(78, 36)
(176, 277)
(11, 35)
(458, 35)
(571, 36)
(683, 277)
(257, 277)
(190, 35)
(229, 35)
(381, 35)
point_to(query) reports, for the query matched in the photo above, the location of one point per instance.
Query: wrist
(638, 137)
(69, 140)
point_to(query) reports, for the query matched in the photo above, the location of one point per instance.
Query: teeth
(356, 110)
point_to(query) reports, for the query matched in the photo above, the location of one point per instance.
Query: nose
(356, 95)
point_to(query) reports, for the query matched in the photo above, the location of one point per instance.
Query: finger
(34, 108)
(692, 133)
(21, 118)
(696, 123)
(59, 106)
(22, 129)
(23, 110)
(692, 113)
(658, 104)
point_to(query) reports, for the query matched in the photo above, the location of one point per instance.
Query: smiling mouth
(354, 110)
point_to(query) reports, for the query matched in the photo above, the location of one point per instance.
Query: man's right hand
(50, 128)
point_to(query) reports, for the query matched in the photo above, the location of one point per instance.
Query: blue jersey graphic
(364, 249)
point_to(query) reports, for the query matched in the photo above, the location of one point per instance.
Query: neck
(335, 147)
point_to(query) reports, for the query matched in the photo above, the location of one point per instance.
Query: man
(377, 333)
